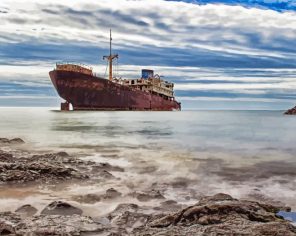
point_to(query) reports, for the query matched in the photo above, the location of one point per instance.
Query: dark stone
(121, 208)
(220, 215)
(43, 168)
(88, 198)
(147, 195)
(291, 111)
(106, 167)
(61, 208)
(112, 193)
(11, 141)
(16, 141)
(169, 206)
(13, 224)
(27, 210)
(5, 157)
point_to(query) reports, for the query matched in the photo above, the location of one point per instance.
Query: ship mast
(111, 57)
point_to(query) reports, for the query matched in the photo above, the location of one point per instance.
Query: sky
(221, 54)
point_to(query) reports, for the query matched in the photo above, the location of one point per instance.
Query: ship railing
(74, 63)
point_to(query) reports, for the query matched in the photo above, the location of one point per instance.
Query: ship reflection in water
(186, 154)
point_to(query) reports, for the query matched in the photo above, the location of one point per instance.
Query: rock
(126, 217)
(11, 141)
(26, 210)
(8, 222)
(16, 141)
(4, 140)
(168, 206)
(26, 171)
(88, 198)
(112, 193)
(291, 111)
(11, 223)
(105, 174)
(63, 154)
(147, 195)
(131, 220)
(42, 168)
(121, 208)
(220, 215)
(106, 167)
(5, 157)
(93, 198)
(61, 208)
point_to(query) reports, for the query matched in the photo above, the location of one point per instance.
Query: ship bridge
(152, 83)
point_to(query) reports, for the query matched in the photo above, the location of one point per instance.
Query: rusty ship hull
(89, 92)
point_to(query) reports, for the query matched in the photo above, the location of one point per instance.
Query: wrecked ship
(81, 88)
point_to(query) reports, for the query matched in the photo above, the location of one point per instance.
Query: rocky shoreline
(216, 215)
(219, 214)
(291, 111)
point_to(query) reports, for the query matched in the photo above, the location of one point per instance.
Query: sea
(186, 154)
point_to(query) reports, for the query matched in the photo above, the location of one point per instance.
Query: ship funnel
(147, 74)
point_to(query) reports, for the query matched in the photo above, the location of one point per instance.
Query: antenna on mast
(111, 57)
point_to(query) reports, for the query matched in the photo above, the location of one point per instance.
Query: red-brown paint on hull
(87, 92)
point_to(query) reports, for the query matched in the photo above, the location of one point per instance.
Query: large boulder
(221, 215)
(26, 210)
(61, 208)
(13, 224)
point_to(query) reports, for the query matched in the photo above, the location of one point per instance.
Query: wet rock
(8, 222)
(105, 174)
(168, 206)
(112, 193)
(5, 157)
(88, 198)
(93, 198)
(26, 210)
(11, 223)
(61, 208)
(16, 141)
(258, 171)
(291, 111)
(127, 217)
(63, 154)
(220, 215)
(131, 220)
(121, 208)
(106, 167)
(42, 168)
(273, 205)
(11, 141)
(4, 140)
(180, 182)
(22, 171)
(147, 195)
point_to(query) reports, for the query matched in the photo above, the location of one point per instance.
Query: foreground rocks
(13, 224)
(221, 215)
(42, 168)
(16, 167)
(217, 215)
(291, 111)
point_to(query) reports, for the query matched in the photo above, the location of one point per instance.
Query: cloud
(207, 49)
(277, 5)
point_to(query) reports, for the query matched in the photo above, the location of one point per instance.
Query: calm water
(243, 153)
(243, 131)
